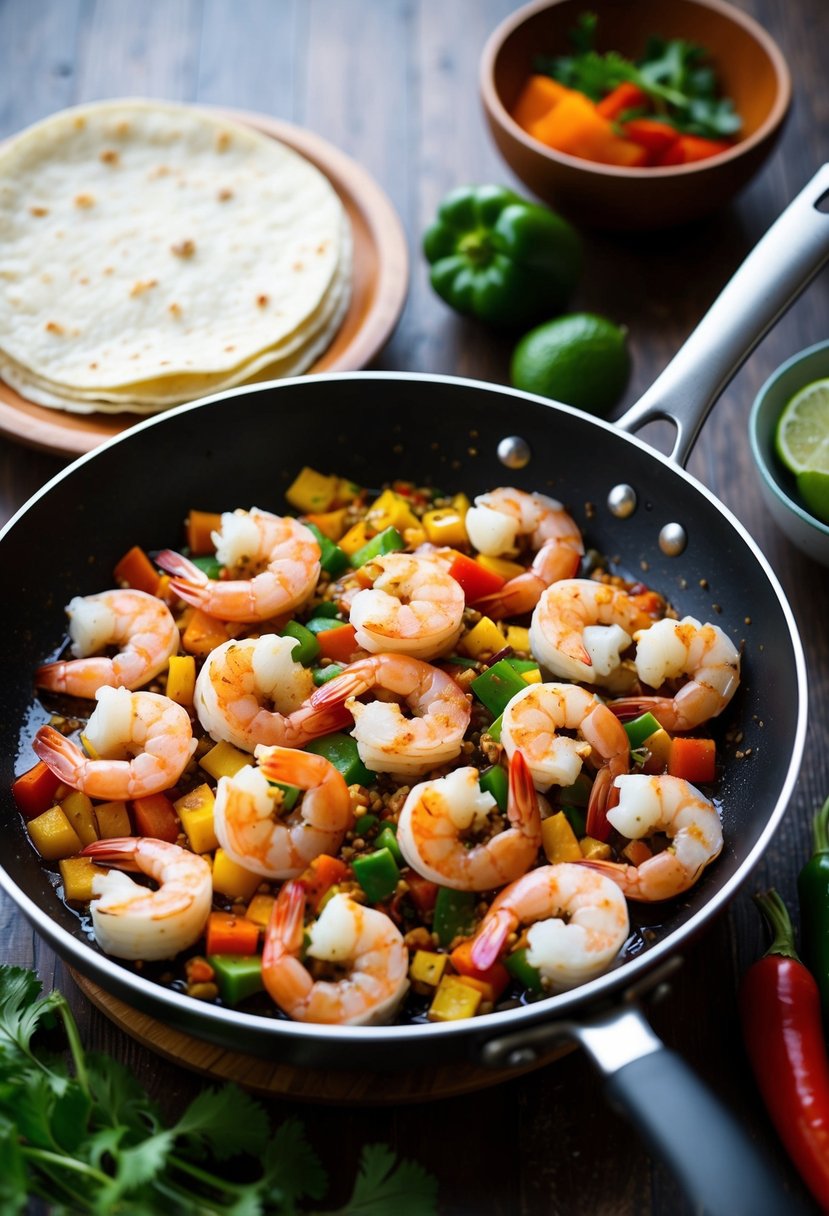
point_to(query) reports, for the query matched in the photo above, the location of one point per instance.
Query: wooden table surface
(393, 83)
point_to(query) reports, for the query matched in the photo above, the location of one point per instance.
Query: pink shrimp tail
(285, 928)
(117, 851)
(51, 676)
(603, 797)
(490, 939)
(626, 708)
(58, 753)
(189, 582)
(522, 802)
(337, 691)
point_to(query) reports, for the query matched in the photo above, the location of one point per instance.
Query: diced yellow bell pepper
(195, 811)
(224, 760)
(391, 510)
(454, 1000)
(53, 835)
(77, 807)
(659, 746)
(427, 967)
(594, 849)
(330, 523)
(533, 676)
(113, 820)
(259, 910)
(483, 638)
(518, 637)
(181, 679)
(356, 537)
(461, 504)
(500, 565)
(486, 989)
(347, 491)
(76, 875)
(414, 537)
(445, 526)
(312, 491)
(231, 879)
(558, 839)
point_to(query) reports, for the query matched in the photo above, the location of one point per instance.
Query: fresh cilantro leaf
(226, 1121)
(385, 1185)
(292, 1168)
(13, 1184)
(119, 1097)
(20, 1011)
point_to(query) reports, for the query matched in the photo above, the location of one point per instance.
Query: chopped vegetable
(342, 751)
(155, 815)
(224, 760)
(338, 643)
(427, 967)
(53, 835)
(496, 686)
(781, 1019)
(137, 571)
(495, 781)
(454, 914)
(475, 580)
(454, 1000)
(181, 679)
(495, 977)
(387, 541)
(78, 809)
(639, 729)
(377, 873)
(311, 491)
(34, 791)
(200, 528)
(203, 633)
(113, 820)
(813, 898)
(496, 256)
(77, 874)
(231, 879)
(558, 839)
(520, 969)
(693, 760)
(333, 559)
(322, 874)
(230, 934)
(195, 811)
(308, 648)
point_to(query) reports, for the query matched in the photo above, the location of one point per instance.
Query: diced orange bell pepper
(34, 791)
(322, 873)
(231, 934)
(423, 891)
(576, 127)
(203, 633)
(475, 580)
(694, 147)
(200, 524)
(693, 760)
(626, 96)
(155, 816)
(137, 571)
(654, 136)
(538, 96)
(330, 523)
(338, 643)
(496, 976)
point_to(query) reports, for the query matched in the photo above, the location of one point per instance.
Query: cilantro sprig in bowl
(660, 112)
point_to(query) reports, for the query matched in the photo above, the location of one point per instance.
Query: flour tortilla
(150, 253)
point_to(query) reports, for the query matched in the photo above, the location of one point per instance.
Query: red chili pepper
(781, 1017)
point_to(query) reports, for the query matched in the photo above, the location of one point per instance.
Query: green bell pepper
(496, 686)
(377, 873)
(495, 256)
(237, 976)
(454, 914)
(342, 751)
(387, 541)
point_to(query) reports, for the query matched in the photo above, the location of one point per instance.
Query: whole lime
(581, 359)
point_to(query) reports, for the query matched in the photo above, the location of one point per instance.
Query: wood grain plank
(139, 50)
(252, 60)
(38, 40)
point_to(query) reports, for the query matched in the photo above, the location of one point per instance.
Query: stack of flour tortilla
(152, 253)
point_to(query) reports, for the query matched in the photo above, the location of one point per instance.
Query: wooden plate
(380, 284)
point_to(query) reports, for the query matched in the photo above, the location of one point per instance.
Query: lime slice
(802, 436)
(813, 488)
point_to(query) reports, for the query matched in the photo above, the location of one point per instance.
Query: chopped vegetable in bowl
(397, 757)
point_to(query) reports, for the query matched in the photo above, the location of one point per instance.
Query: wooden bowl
(750, 69)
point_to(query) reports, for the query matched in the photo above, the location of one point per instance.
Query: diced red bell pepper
(338, 643)
(34, 791)
(155, 816)
(475, 579)
(695, 147)
(693, 760)
(231, 934)
(654, 136)
(422, 890)
(322, 874)
(626, 96)
(496, 975)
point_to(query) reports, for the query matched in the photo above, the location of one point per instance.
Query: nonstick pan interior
(243, 449)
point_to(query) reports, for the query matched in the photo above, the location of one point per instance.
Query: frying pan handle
(769, 280)
(681, 1121)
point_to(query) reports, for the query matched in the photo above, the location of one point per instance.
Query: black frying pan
(242, 448)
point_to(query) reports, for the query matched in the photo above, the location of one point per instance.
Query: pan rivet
(521, 1056)
(514, 452)
(672, 540)
(622, 501)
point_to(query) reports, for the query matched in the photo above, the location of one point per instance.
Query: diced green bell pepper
(521, 665)
(308, 647)
(496, 686)
(341, 750)
(641, 728)
(495, 781)
(320, 624)
(290, 793)
(494, 729)
(577, 794)
(387, 541)
(520, 969)
(238, 976)
(326, 608)
(454, 914)
(377, 873)
(209, 564)
(321, 675)
(364, 823)
(333, 559)
(387, 839)
(576, 818)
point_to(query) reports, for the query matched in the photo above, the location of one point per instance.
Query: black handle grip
(682, 1122)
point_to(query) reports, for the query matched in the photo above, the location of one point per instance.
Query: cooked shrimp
(133, 921)
(494, 525)
(580, 628)
(578, 923)
(414, 606)
(438, 814)
(141, 743)
(387, 741)
(251, 691)
(140, 625)
(248, 815)
(533, 722)
(677, 808)
(348, 935)
(674, 648)
(279, 555)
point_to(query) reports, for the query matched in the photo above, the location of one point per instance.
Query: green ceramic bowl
(777, 484)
